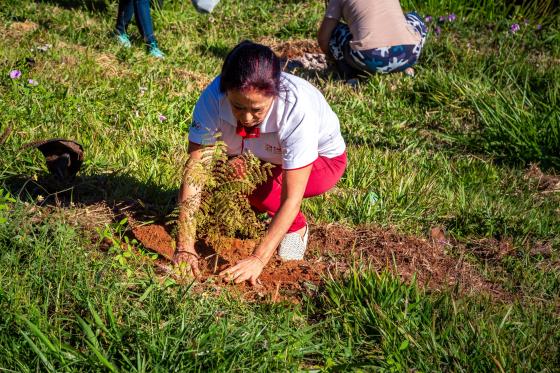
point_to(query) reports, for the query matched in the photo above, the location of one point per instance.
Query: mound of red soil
(332, 251)
(406, 256)
(155, 238)
(544, 183)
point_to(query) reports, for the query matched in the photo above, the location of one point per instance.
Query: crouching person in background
(376, 38)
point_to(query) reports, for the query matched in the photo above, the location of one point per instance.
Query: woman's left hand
(246, 270)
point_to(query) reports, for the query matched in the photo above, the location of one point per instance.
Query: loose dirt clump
(292, 48)
(541, 248)
(278, 280)
(155, 238)
(298, 54)
(333, 250)
(544, 183)
(406, 256)
(491, 248)
(309, 61)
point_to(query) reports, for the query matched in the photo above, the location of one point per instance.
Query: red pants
(325, 173)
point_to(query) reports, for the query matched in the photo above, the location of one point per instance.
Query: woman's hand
(187, 256)
(293, 188)
(246, 270)
(238, 168)
(189, 201)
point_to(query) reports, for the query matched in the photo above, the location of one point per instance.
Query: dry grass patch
(195, 81)
(17, 30)
(544, 183)
(291, 48)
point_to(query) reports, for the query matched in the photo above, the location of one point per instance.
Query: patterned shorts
(378, 60)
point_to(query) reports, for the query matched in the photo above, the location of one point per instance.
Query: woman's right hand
(187, 256)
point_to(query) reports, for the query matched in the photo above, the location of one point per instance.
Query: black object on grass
(64, 157)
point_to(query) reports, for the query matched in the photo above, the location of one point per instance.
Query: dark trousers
(141, 11)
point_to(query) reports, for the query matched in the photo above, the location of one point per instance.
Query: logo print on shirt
(273, 149)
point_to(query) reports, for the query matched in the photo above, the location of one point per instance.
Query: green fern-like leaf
(224, 209)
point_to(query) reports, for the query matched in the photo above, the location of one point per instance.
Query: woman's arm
(189, 202)
(294, 183)
(324, 35)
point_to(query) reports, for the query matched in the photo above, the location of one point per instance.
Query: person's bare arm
(293, 187)
(189, 202)
(325, 31)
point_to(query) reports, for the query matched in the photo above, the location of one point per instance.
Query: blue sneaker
(154, 51)
(123, 40)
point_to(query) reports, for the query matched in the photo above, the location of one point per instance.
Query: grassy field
(452, 147)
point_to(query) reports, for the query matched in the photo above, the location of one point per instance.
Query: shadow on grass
(218, 51)
(142, 200)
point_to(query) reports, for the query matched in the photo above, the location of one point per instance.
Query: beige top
(373, 23)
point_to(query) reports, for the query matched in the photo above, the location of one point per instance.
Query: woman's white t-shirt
(299, 127)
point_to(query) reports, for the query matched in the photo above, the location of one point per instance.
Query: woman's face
(249, 107)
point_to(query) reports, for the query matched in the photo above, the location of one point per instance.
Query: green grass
(449, 148)
(66, 308)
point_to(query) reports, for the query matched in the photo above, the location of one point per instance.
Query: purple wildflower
(451, 17)
(539, 26)
(437, 30)
(442, 18)
(15, 74)
(514, 28)
(428, 19)
(162, 118)
(33, 82)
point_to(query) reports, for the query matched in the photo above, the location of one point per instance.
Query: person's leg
(339, 44)
(391, 59)
(144, 20)
(325, 173)
(371, 60)
(124, 15)
(417, 22)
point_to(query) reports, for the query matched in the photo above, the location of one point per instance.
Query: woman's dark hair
(251, 66)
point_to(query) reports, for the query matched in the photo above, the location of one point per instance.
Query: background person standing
(141, 11)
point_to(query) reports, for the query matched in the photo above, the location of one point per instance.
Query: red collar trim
(248, 132)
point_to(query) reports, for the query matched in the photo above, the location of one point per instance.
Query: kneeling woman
(378, 37)
(281, 119)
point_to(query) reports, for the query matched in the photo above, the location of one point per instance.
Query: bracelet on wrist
(259, 259)
(187, 252)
